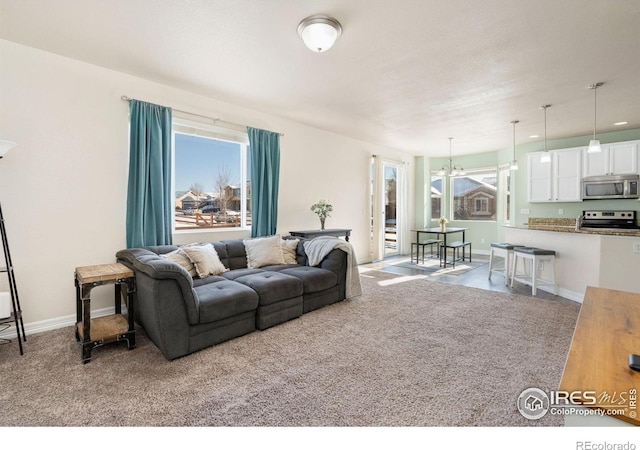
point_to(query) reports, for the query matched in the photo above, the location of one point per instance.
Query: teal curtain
(265, 178)
(149, 202)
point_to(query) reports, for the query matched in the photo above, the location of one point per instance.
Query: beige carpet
(409, 352)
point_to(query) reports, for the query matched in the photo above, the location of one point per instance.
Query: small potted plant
(443, 223)
(322, 209)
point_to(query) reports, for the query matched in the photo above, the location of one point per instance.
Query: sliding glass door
(390, 231)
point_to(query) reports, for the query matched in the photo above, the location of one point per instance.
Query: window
(505, 192)
(436, 196)
(482, 205)
(474, 195)
(212, 185)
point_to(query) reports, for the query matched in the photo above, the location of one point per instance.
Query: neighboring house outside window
(475, 195)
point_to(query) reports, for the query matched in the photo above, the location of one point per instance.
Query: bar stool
(503, 250)
(536, 257)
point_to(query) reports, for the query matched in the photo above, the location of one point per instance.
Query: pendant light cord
(514, 137)
(545, 127)
(595, 109)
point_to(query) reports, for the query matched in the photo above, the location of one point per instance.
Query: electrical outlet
(561, 211)
(636, 247)
(524, 211)
(482, 241)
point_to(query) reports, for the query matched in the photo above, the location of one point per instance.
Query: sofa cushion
(314, 279)
(263, 251)
(223, 299)
(235, 255)
(237, 273)
(272, 287)
(202, 281)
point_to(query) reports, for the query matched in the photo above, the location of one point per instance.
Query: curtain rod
(215, 119)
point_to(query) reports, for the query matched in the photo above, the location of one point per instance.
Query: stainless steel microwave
(610, 187)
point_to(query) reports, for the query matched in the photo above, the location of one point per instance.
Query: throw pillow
(263, 251)
(180, 257)
(289, 247)
(205, 259)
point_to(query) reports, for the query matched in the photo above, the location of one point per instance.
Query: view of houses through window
(212, 182)
(473, 196)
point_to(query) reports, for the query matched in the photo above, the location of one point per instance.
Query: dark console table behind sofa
(310, 234)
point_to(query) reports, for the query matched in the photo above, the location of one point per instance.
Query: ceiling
(406, 74)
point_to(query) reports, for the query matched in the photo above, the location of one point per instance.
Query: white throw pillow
(206, 260)
(180, 257)
(289, 247)
(263, 251)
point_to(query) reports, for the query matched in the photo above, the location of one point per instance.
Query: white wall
(63, 189)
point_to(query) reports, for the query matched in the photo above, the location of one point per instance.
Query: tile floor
(478, 278)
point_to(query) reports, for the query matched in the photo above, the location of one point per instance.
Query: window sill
(212, 230)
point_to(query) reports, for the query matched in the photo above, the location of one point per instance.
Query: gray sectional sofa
(182, 313)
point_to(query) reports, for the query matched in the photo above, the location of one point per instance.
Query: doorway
(388, 207)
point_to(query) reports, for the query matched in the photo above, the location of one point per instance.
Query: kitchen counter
(606, 258)
(569, 226)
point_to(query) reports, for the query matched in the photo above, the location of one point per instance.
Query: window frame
(505, 186)
(443, 193)
(184, 126)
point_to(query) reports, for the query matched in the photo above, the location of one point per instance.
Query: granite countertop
(569, 226)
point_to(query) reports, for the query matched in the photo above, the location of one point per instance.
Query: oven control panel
(615, 215)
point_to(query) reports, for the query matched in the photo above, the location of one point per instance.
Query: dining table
(439, 231)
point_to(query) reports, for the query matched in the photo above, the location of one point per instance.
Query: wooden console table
(607, 331)
(310, 234)
(93, 333)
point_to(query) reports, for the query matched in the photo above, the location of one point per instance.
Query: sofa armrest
(159, 268)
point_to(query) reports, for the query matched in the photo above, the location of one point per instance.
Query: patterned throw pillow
(205, 259)
(180, 257)
(289, 247)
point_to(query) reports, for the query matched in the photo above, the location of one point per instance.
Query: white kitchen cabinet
(558, 180)
(615, 159)
(539, 178)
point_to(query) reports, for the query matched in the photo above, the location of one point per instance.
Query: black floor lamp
(16, 315)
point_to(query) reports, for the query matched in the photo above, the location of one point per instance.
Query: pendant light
(594, 144)
(514, 162)
(450, 169)
(546, 156)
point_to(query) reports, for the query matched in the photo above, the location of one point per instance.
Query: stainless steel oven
(621, 220)
(610, 187)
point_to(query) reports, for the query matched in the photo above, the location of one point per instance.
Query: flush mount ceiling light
(514, 163)
(5, 146)
(594, 144)
(319, 32)
(546, 156)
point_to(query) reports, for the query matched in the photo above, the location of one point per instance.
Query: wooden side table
(93, 333)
